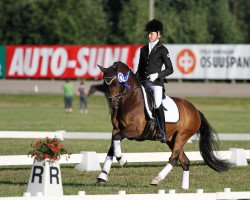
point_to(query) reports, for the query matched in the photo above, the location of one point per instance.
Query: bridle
(122, 82)
(108, 81)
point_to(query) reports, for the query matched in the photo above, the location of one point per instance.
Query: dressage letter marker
(45, 178)
(89, 162)
(37, 172)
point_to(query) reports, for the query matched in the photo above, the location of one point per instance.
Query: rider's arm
(168, 64)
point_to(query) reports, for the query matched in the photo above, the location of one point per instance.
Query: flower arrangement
(49, 148)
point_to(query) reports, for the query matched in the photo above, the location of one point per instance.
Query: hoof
(123, 164)
(102, 178)
(122, 161)
(100, 181)
(185, 188)
(156, 181)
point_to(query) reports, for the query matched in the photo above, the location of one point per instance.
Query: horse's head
(117, 78)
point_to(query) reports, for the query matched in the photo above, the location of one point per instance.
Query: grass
(227, 115)
(134, 178)
(22, 146)
(45, 113)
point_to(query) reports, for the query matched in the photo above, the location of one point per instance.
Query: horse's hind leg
(162, 175)
(176, 146)
(166, 169)
(185, 163)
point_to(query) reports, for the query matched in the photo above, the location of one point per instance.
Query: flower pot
(45, 178)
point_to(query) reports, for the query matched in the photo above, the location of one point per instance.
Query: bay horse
(95, 88)
(129, 119)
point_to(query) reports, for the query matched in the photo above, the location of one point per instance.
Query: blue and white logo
(123, 79)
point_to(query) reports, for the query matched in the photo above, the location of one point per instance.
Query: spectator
(82, 93)
(68, 96)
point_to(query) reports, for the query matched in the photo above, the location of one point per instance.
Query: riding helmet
(154, 26)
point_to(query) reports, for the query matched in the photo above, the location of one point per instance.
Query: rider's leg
(161, 117)
(161, 135)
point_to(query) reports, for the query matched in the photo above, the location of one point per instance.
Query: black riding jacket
(152, 63)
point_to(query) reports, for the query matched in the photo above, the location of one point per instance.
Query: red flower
(48, 148)
(56, 143)
(37, 143)
(54, 158)
(54, 149)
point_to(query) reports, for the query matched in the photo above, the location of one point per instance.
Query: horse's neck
(133, 98)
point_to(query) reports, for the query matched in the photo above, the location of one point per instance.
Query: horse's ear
(115, 65)
(102, 68)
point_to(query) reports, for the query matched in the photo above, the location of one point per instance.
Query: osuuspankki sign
(211, 61)
(225, 62)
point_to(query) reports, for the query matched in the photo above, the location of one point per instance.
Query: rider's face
(153, 36)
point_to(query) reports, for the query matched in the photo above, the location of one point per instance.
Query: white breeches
(157, 95)
(157, 90)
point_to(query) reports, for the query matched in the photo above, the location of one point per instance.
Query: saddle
(170, 110)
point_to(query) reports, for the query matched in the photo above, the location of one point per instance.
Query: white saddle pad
(171, 112)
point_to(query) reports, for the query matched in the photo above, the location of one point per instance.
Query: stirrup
(161, 136)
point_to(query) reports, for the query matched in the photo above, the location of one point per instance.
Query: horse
(95, 88)
(129, 119)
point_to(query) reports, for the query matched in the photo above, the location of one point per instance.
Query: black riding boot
(161, 134)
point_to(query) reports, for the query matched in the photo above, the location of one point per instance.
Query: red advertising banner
(66, 61)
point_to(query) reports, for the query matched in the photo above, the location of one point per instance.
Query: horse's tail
(208, 143)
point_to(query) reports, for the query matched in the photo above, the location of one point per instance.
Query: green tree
(184, 21)
(241, 11)
(132, 21)
(122, 21)
(53, 22)
(222, 24)
(113, 9)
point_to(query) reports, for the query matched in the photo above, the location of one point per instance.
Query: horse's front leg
(103, 176)
(114, 151)
(117, 150)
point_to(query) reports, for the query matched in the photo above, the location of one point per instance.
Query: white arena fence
(233, 153)
(8, 160)
(131, 157)
(171, 195)
(62, 134)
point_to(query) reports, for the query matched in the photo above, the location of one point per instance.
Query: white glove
(153, 77)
